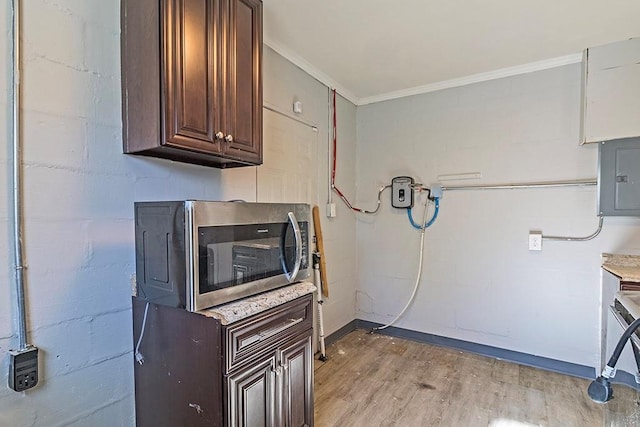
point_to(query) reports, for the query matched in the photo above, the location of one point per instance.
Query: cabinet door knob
(229, 138)
(219, 135)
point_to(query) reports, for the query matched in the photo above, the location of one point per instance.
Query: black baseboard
(349, 327)
(526, 359)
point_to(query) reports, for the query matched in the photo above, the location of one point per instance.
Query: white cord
(415, 287)
(138, 355)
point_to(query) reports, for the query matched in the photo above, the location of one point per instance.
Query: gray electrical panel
(619, 180)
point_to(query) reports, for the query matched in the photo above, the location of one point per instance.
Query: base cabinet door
(251, 395)
(269, 368)
(296, 361)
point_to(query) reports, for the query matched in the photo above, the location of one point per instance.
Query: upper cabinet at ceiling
(611, 92)
(192, 80)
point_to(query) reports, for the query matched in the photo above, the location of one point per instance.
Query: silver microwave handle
(298, 236)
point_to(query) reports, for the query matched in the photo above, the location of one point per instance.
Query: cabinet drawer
(252, 337)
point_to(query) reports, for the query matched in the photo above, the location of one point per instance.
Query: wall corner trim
(311, 69)
(325, 79)
(476, 78)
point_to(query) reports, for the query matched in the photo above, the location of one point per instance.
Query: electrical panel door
(620, 177)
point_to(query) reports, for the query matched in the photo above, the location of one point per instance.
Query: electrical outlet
(23, 368)
(535, 240)
(402, 192)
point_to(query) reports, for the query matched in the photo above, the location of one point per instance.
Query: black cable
(600, 389)
(621, 343)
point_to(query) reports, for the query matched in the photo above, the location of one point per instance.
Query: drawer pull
(269, 332)
(248, 341)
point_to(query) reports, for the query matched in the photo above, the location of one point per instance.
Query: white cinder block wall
(480, 283)
(79, 191)
(283, 83)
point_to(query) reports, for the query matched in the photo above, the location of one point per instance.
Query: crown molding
(476, 78)
(431, 87)
(311, 69)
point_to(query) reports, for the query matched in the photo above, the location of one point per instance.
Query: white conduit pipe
(576, 239)
(277, 110)
(549, 184)
(17, 179)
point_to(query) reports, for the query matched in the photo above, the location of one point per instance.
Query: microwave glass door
(230, 255)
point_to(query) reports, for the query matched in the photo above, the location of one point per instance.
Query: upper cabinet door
(191, 81)
(243, 95)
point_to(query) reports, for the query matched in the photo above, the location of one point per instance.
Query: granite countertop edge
(626, 267)
(241, 309)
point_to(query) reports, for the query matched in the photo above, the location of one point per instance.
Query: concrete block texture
(480, 282)
(79, 191)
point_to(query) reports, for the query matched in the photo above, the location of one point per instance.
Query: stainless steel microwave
(198, 254)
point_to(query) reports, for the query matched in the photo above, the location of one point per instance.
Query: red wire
(335, 142)
(335, 157)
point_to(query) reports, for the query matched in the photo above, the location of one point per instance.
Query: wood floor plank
(375, 380)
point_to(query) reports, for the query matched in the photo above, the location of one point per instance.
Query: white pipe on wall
(549, 184)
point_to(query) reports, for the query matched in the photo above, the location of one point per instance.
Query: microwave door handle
(298, 236)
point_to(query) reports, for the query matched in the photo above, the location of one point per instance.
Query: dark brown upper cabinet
(192, 80)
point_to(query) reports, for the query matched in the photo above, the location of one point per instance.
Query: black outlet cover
(23, 368)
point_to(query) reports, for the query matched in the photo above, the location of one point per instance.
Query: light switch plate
(331, 210)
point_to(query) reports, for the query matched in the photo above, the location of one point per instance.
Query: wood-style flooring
(376, 380)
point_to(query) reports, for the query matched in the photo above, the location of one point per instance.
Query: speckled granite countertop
(241, 309)
(626, 267)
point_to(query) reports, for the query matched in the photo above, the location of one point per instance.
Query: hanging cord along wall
(425, 224)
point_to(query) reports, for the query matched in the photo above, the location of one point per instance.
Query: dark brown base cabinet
(274, 391)
(255, 372)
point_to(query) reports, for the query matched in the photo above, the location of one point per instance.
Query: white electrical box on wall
(611, 91)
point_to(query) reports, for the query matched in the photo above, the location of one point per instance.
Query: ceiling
(371, 50)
